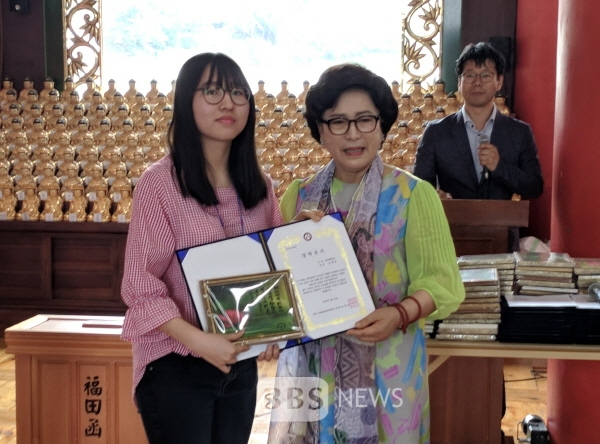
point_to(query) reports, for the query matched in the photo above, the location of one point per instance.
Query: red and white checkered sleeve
(149, 251)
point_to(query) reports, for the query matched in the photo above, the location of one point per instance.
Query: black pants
(185, 400)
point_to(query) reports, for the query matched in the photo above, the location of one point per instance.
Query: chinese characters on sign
(93, 405)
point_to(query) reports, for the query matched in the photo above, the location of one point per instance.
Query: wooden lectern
(465, 392)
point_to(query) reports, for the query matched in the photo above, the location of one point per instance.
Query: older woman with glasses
(376, 373)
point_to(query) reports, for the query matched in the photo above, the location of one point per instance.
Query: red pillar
(535, 83)
(573, 389)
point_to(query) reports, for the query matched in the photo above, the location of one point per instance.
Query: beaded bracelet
(418, 305)
(403, 316)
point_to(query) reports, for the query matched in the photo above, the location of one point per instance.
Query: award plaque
(262, 304)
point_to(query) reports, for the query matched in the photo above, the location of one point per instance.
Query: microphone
(594, 290)
(484, 139)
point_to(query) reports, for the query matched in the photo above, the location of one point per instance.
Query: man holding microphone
(477, 152)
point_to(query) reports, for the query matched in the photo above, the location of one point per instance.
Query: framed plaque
(261, 304)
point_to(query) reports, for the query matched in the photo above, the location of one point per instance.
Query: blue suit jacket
(444, 159)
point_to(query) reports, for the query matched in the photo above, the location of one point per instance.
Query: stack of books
(544, 274)
(587, 319)
(503, 262)
(587, 271)
(540, 319)
(430, 329)
(478, 316)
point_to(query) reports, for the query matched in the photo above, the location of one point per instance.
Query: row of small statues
(58, 139)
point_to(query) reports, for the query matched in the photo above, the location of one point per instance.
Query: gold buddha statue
(98, 117)
(76, 118)
(103, 132)
(110, 93)
(81, 132)
(152, 95)
(143, 120)
(32, 100)
(65, 95)
(416, 93)
(266, 157)
(452, 104)
(67, 162)
(405, 108)
(91, 162)
(260, 135)
(277, 120)
(397, 159)
(100, 211)
(47, 179)
(289, 110)
(298, 122)
(315, 156)
(306, 141)
(12, 112)
(5, 178)
(276, 170)
(121, 181)
(130, 93)
(87, 147)
(115, 163)
(134, 107)
(15, 131)
(43, 160)
(7, 84)
(123, 208)
(285, 135)
(163, 124)
(415, 125)
(76, 211)
(156, 151)
(53, 100)
(53, 205)
(138, 166)
(148, 132)
(30, 206)
(69, 107)
(33, 131)
(27, 88)
(270, 105)
(8, 201)
(118, 102)
(500, 101)
(52, 119)
(428, 108)
(281, 98)
(293, 151)
(23, 174)
(171, 94)
(64, 145)
(157, 108)
(118, 121)
(301, 100)
(42, 141)
(439, 93)
(440, 113)
(97, 182)
(87, 95)
(387, 152)
(71, 182)
(131, 146)
(395, 87)
(10, 99)
(260, 96)
(402, 134)
(59, 131)
(302, 169)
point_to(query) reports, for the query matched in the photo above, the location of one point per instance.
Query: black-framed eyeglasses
(486, 77)
(214, 94)
(340, 125)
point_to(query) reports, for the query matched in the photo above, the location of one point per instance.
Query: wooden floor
(525, 393)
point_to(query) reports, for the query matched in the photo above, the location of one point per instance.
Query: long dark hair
(184, 137)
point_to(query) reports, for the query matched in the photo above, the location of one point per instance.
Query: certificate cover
(331, 291)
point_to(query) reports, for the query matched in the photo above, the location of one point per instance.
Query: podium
(466, 393)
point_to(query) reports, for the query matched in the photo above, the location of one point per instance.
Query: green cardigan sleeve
(288, 201)
(430, 254)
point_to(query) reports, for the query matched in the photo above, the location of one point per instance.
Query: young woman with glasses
(188, 385)
(402, 240)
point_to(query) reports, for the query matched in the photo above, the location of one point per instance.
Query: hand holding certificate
(233, 286)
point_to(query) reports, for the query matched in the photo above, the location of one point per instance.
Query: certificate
(330, 289)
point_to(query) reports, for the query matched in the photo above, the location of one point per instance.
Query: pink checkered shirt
(162, 222)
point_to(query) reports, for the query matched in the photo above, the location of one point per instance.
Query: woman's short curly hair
(338, 79)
